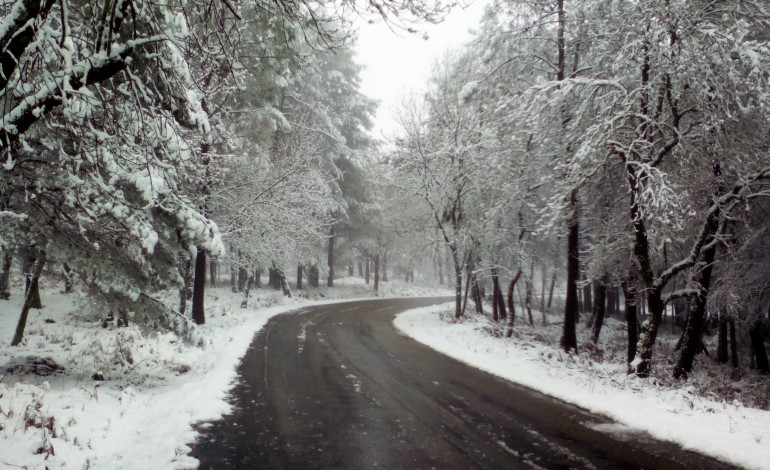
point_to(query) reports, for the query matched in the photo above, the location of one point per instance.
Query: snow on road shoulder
(726, 431)
(157, 387)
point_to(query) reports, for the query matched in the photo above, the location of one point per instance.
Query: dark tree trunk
(213, 273)
(376, 273)
(243, 276)
(30, 287)
(273, 279)
(569, 334)
(629, 292)
(249, 285)
(33, 279)
(67, 278)
(528, 299)
(440, 269)
(495, 292)
(756, 334)
(258, 278)
(385, 267)
(592, 314)
(299, 276)
(282, 283)
(5, 275)
(693, 337)
(511, 304)
(350, 269)
(542, 296)
(199, 285)
(330, 258)
(733, 342)
(360, 269)
(600, 306)
(366, 273)
(186, 291)
(475, 291)
(550, 292)
(313, 277)
(233, 275)
(609, 295)
(722, 339)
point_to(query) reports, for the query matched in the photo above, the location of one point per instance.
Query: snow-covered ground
(157, 387)
(596, 380)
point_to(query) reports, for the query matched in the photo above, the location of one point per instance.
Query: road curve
(337, 387)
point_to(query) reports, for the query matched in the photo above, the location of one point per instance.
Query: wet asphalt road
(337, 387)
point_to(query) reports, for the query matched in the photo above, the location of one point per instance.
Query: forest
(596, 158)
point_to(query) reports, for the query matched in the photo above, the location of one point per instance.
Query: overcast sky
(398, 62)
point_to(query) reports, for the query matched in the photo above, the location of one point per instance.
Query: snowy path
(357, 394)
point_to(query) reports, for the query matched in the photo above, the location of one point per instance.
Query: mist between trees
(616, 150)
(619, 149)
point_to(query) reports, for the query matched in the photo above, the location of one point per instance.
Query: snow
(724, 430)
(157, 387)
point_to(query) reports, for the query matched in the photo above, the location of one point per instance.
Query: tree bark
(384, 267)
(299, 276)
(67, 278)
(258, 278)
(722, 339)
(528, 299)
(733, 342)
(511, 304)
(629, 292)
(376, 273)
(284, 285)
(186, 291)
(693, 339)
(199, 286)
(495, 292)
(33, 276)
(550, 292)
(569, 334)
(600, 306)
(5, 275)
(213, 273)
(757, 337)
(366, 273)
(542, 295)
(330, 257)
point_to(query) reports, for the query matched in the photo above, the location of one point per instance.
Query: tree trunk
(5, 275)
(693, 339)
(756, 334)
(299, 276)
(258, 278)
(592, 314)
(722, 339)
(385, 267)
(733, 342)
(249, 285)
(330, 257)
(550, 292)
(528, 299)
(376, 273)
(600, 306)
(542, 295)
(360, 269)
(233, 274)
(569, 334)
(440, 269)
(28, 285)
(67, 278)
(511, 305)
(283, 284)
(199, 285)
(495, 293)
(366, 273)
(313, 277)
(629, 292)
(186, 291)
(33, 278)
(458, 292)
(213, 273)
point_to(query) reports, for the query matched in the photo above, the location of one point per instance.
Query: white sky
(399, 62)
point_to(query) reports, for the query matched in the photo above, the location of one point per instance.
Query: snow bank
(726, 431)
